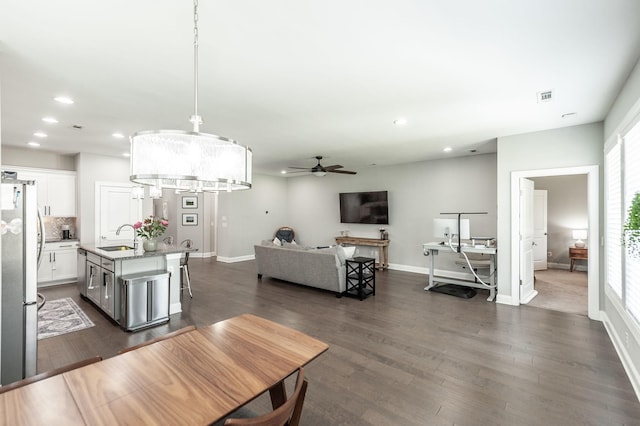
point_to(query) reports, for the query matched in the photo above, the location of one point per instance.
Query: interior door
(539, 230)
(527, 291)
(116, 208)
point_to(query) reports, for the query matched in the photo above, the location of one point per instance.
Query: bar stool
(184, 266)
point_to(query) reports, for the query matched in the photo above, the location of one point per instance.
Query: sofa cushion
(349, 251)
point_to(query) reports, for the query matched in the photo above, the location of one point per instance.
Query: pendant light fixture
(190, 161)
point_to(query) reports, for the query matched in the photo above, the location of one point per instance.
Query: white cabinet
(56, 190)
(59, 263)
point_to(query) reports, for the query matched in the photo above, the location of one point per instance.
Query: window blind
(613, 229)
(631, 187)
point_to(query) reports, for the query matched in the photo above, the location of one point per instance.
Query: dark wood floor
(405, 356)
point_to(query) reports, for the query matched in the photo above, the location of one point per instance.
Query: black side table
(361, 277)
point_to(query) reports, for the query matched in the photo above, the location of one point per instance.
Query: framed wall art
(189, 219)
(189, 202)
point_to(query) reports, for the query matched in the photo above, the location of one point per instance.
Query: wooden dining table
(194, 378)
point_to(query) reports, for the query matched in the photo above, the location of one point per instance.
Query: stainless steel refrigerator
(19, 316)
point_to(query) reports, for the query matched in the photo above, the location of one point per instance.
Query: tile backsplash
(53, 227)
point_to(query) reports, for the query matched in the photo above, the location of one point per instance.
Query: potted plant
(150, 229)
(632, 227)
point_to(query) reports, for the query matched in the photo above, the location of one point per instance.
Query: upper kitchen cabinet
(56, 190)
(57, 194)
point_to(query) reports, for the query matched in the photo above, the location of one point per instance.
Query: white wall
(558, 148)
(91, 168)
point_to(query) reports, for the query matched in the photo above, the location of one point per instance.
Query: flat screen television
(364, 207)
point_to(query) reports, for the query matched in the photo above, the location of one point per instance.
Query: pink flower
(137, 225)
(164, 222)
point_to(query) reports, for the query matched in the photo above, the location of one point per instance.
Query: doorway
(591, 172)
(561, 210)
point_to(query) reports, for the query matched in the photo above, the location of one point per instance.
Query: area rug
(61, 316)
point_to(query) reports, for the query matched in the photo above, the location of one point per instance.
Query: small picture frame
(189, 219)
(189, 202)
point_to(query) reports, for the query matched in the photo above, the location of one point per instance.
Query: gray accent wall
(37, 159)
(418, 193)
(247, 217)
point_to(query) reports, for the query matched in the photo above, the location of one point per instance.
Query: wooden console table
(372, 242)
(577, 254)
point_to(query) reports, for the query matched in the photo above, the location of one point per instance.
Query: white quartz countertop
(163, 249)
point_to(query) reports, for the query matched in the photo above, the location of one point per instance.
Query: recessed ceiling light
(50, 120)
(448, 149)
(117, 135)
(33, 144)
(63, 100)
(400, 121)
(40, 134)
(126, 154)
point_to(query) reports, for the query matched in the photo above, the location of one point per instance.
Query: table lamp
(579, 235)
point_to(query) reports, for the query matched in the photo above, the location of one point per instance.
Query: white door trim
(593, 203)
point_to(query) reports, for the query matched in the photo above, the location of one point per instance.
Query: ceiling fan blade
(335, 166)
(344, 172)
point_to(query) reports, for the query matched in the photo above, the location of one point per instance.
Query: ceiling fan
(320, 170)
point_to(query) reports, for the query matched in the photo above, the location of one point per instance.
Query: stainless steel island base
(144, 300)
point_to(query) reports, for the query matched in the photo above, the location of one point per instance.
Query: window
(613, 228)
(622, 182)
(631, 152)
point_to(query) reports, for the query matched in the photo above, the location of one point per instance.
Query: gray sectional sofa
(322, 268)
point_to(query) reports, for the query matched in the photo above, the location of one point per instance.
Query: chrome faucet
(135, 241)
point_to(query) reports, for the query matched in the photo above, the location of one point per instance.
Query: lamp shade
(189, 161)
(579, 234)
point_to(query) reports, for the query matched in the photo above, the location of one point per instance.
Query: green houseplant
(632, 227)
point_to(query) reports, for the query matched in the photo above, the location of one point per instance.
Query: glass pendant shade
(189, 161)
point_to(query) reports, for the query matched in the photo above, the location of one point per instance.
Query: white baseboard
(236, 259)
(201, 254)
(507, 300)
(406, 268)
(625, 358)
(175, 308)
(566, 267)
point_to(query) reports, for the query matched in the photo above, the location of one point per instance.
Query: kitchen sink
(115, 248)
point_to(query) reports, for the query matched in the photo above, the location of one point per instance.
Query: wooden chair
(160, 338)
(184, 266)
(288, 414)
(50, 373)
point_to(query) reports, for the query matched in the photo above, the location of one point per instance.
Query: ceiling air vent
(546, 96)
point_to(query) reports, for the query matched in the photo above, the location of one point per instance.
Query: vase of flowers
(149, 229)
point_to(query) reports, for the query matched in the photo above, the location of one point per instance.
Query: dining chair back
(184, 266)
(285, 233)
(288, 414)
(50, 373)
(159, 338)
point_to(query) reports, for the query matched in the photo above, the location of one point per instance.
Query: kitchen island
(108, 271)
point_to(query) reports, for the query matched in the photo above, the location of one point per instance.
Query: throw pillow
(349, 251)
(276, 241)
